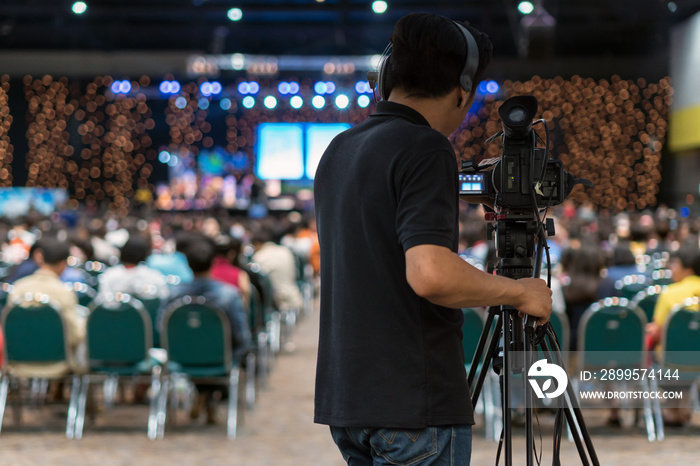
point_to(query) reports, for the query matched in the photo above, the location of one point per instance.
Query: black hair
(689, 256)
(623, 255)
(200, 253)
(136, 249)
(428, 55)
(53, 250)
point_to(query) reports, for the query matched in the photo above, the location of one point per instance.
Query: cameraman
(390, 378)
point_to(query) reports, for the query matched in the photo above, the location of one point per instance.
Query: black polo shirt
(387, 358)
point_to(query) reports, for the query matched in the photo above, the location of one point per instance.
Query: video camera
(524, 177)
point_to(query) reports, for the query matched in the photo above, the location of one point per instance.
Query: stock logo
(542, 368)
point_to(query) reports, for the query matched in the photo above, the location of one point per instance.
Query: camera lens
(517, 115)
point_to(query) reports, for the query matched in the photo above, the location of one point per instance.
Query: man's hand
(536, 299)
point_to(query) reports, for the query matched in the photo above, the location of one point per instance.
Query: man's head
(200, 252)
(428, 56)
(136, 249)
(53, 254)
(684, 263)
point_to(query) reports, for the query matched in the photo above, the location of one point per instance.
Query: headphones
(377, 78)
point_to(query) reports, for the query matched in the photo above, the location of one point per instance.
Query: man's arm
(443, 278)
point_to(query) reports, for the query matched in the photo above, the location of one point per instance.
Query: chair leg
(648, 417)
(658, 417)
(153, 403)
(232, 420)
(82, 401)
(162, 407)
(263, 355)
(4, 387)
(110, 385)
(250, 380)
(73, 407)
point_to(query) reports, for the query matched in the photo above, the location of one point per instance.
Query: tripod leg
(493, 342)
(648, 416)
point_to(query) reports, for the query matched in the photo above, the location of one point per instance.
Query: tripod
(514, 341)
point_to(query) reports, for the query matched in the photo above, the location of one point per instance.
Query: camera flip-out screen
(472, 183)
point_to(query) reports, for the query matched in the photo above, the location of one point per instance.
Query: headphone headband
(466, 79)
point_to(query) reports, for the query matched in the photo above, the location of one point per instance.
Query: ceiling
(584, 28)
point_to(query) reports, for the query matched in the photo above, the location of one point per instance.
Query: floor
(279, 431)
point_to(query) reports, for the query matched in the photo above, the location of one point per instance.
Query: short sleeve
(427, 201)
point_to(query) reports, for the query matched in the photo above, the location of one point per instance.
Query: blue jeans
(431, 446)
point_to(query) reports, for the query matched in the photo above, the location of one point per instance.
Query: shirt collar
(386, 108)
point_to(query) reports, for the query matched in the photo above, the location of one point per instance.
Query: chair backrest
(680, 340)
(152, 306)
(646, 300)
(629, 285)
(611, 335)
(262, 283)
(34, 331)
(197, 333)
(257, 312)
(662, 277)
(85, 293)
(471, 332)
(118, 331)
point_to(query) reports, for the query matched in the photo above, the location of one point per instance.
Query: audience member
(226, 267)
(280, 265)
(46, 281)
(200, 253)
(174, 263)
(132, 276)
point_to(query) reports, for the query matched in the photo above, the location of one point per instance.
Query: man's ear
(465, 98)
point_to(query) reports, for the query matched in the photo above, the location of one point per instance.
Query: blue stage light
(293, 88)
(248, 102)
(253, 88)
(116, 87)
(203, 103)
(225, 104)
(283, 88)
(330, 87)
(482, 88)
(164, 156)
(180, 102)
(320, 87)
(362, 87)
(243, 88)
(363, 101)
(492, 87)
(216, 88)
(205, 89)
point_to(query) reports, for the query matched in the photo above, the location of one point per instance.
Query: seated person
(173, 263)
(225, 268)
(200, 255)
(132, 276)
(52, 262)
(685, 271)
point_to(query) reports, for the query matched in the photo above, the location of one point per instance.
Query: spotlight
(283, 88)
(363, 101)
(79, 8)
(205, 89)
(235, 14)
(492, 87)
(180, 103)
(225, 104)
(216, 87)
(270, 102)
(296, 102)
(293, 88)
(244, 88)
(318, 102)
(203, 103)
(164, 156)
(248, 102)
(330, 87)
(342, 101)
(253, 87)
(525, 7)
(320, 87)
(362, 87)
(379, 6)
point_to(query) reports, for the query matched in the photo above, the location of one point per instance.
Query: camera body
(524, 177)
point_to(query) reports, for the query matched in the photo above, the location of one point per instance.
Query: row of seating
(611, 335)
(123, 343)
